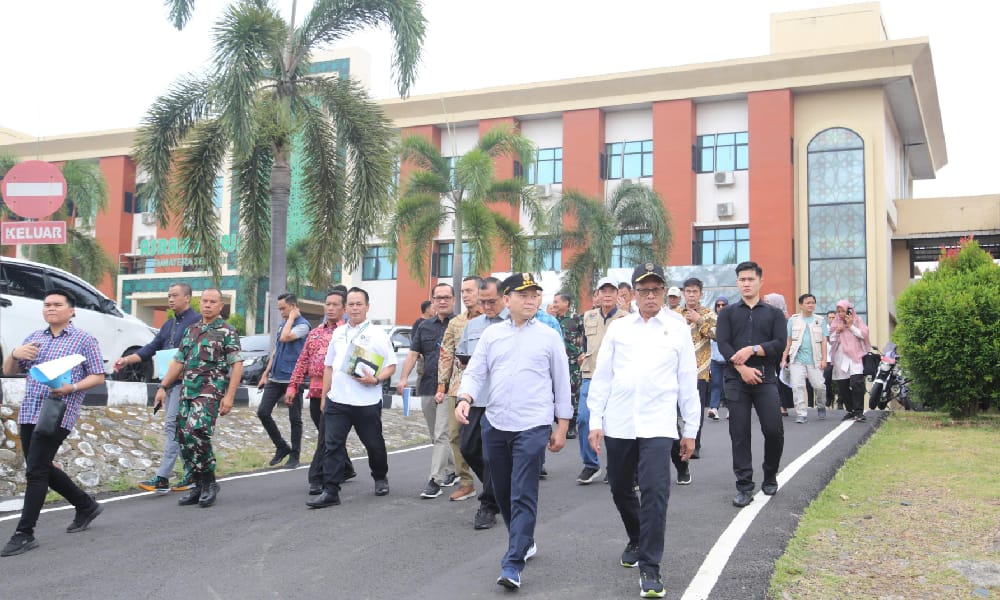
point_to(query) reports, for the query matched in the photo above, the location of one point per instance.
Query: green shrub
(948, 332)
(239, 322)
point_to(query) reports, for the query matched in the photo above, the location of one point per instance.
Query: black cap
(647, 270)
(518, 282)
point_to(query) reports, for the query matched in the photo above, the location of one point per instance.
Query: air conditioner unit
(725, 209)
(543, 190)
(724, 178)
(628, 181)
(148, 218)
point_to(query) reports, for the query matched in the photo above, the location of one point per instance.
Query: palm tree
(257, 102)
(86, 194)
(633, 208)
(462, 189)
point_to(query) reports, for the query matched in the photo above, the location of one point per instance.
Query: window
(722, 246)
(629, 160)
(627, 249)
(217, 188)
(451, 168)
(723, 152)
(838, 260)
(547, 167)
(85, 297)
(445, 258)
(376, 264)
(551, 253)
(22, 280)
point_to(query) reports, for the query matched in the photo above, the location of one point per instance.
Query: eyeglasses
(650, 291)
(488, 302)
(440, 298)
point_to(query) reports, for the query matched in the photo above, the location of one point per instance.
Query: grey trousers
(171, 449)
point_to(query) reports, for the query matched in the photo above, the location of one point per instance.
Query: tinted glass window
(22, 280)
(85, 296)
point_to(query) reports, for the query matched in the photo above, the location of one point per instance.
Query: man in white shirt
(352, 397)
(645, 372)
(521, 366)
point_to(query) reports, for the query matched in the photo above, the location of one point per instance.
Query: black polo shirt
(426, 340)
(762, 325)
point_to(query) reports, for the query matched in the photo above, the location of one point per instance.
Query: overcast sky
(71, 66)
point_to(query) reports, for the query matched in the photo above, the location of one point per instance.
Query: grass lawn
(921, 495)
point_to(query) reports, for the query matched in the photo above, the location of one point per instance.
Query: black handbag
(870, 363)
(50, 416)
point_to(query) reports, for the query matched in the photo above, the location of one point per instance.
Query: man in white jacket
(645, 372)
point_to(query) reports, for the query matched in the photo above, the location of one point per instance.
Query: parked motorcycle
(889, 384)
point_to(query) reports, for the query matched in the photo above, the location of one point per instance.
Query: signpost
(33, 189)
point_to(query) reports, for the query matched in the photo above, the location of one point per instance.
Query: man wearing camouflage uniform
(572, 330)
(209, 352)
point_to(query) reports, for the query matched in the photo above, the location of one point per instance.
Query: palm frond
(86, 190)
(324, 189)
(479, 228)
(474, 173)
(638, 207)
(413, 226)
(252, 192)
(512, 236)
(163, 130)
(297, 266)
(88, 258)
(503, 140)
(425, 156)
(366, 135)
(198, 164)
(517, 193)
(180, 12)
(427, 182)
(246, 38)
(332, 20)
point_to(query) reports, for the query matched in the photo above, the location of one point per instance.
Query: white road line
(708, 574)
(232, 478)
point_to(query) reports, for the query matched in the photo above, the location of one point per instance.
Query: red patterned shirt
(71, 340)
(310, 362)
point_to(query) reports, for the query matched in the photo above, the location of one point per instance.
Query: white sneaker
(532, 550)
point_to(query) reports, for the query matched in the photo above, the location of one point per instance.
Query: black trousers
(830, 389)
(763, 398)
(675, 448)
(274, 392)
(470, 440)
(367, 422)
(315, 412)
(316, 466)
(852, 393)
(644, 521)
(39, 452)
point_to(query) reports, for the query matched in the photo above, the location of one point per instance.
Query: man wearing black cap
(645, 373)
(522, 362)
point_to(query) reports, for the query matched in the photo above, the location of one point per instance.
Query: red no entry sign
(34, 189)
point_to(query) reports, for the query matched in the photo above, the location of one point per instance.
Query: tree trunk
(281, 184)
(456, 258)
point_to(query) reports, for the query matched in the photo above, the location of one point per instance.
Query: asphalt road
(260, 540)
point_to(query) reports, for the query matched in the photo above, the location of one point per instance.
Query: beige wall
(947, 215)
(864, 111)
(827, 27)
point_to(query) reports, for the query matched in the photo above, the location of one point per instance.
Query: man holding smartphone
(167, 338)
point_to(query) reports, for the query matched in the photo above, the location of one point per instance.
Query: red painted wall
(113, 227)
(411, 292)
(583, 143)
(674, 133)
(772, 191)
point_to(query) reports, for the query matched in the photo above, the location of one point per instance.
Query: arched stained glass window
(837, 242)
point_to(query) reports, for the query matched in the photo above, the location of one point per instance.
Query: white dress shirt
(344, 388)
(527, 373)
(645, 371)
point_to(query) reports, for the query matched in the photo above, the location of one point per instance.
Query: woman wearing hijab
(717, 367)
(848, 344)
(784, 392)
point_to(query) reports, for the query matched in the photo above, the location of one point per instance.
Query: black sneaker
(651, 585)
(485, 519)
(293, 461)
(83, 518)
(543, 473)
(432, 490)
(19, 543)
(279, 455)
(450, 480)
(684, 477)
(630, 556)
(848, 416)
(157, 484)
(588, 475)
(381, 487)
(860, 417)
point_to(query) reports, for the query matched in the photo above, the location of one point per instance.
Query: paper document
(56, 373)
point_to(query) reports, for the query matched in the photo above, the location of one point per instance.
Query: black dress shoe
(742, 499)
(350, 474)
(293, 461)
(382, 487)
(192, 497)
(696, 454)
(769, 488)
(315, 490)
(571, 433)
(208, 495)
(279, 455)
(325, 499)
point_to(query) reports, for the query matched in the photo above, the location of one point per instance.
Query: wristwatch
(755, 348)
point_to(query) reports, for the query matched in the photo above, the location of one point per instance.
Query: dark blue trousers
(646, 521)
(515, 463)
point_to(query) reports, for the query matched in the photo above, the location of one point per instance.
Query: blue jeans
(716, 384)
(515, 463)
(171, 449)
(583, 429)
